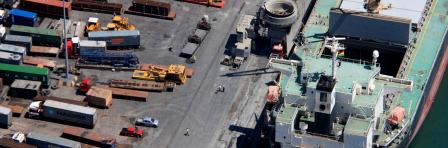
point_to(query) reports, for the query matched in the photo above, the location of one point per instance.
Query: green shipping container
(42, 37)
(11, 72)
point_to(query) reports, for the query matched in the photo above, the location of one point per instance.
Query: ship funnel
(375, 55)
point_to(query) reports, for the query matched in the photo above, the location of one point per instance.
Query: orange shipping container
(48, 7)
(99, 97)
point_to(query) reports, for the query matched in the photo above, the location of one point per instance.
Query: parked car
(147, 121)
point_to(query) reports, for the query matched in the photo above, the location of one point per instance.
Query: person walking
(187, 132)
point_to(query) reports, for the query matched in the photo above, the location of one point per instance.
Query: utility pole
(65, 42)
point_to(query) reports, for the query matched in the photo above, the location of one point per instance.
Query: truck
(242, 48)
(98, 96)
(22, 17)
(10, 58)
(5, 117)
(19, 40)
(122, 39)
(80, 115)
(89, 47)
(44, 140)
(89, 137)
(132, 131)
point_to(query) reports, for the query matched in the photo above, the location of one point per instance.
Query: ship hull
(429, 94)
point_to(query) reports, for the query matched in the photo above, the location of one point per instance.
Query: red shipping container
(47, 7)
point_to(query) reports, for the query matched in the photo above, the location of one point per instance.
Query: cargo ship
(360, 73)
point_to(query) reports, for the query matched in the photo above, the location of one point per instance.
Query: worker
(187, 132)
(170, 49)
(221, 88)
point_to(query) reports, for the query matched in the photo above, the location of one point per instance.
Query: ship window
(323, 97)
(322, 107)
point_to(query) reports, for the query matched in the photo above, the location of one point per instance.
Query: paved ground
(215, 120)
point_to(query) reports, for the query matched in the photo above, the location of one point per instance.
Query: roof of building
(411, 9)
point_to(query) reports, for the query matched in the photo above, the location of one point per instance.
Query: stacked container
(117, 39)
(43, 140)
(87, 47)
(5, 117)
(13, 49)
(18, 40)
(22, 17)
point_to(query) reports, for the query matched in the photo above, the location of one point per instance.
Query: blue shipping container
(22, 17)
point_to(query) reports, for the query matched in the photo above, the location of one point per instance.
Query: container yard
(125, 74)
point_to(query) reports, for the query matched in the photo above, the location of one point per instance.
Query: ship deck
(429, 41)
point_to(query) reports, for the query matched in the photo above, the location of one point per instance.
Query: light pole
(65, 42)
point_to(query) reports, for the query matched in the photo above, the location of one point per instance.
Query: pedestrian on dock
(187, 132)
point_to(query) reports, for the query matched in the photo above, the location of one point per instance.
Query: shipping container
(189, 50)
(44, 51)
(24, 89)
(128, 94)
(152, 8)
(83, 116)
(16, 110)
(10, 58)
(13, 49)
(65, 100)
(141, 85)
(89, 137)
(5, 117)
(47, 7)
(18, 40)
(39, 62)
(97, 6)
(10, 143)
(100, 97)
(87, 47)
(22, 17)
(40, 36)
(117, 39)
(46, 141)
(11, 72)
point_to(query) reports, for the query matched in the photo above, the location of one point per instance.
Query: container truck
(84, 116)
(123, 39)
(46, 141)
(5, 117)
(10, 58)
(18, 40)
(88, 47)
(22, 17)
(89, 137)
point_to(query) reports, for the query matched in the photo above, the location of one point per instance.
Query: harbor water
(434, 131)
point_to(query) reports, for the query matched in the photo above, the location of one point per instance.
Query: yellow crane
(174, 73)
(120, 23)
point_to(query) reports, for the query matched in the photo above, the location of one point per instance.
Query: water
(434, 131)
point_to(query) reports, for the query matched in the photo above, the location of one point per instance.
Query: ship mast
(335, 47)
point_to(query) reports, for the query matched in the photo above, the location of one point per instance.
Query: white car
(147, 121)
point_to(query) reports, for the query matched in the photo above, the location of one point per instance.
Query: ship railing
(362, 62)
(408, 83)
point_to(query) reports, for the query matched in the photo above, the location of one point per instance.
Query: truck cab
(35, 109)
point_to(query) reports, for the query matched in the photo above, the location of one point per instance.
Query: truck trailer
(83, 116)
